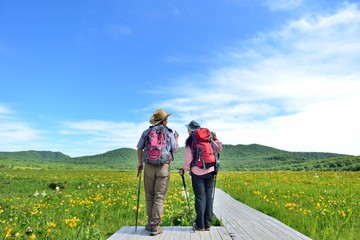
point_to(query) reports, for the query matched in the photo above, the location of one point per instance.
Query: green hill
(256, 157)
(41, 155)
(33, 155)
(124, 158)
(32, 159)
(251, 157)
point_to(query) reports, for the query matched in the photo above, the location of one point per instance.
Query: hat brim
(153, 122)
(190, 128)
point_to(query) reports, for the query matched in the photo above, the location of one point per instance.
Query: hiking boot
(156, 230)
(147, 227)
(199, 229)
(207, 229)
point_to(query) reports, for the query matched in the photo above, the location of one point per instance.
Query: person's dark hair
(189, 141)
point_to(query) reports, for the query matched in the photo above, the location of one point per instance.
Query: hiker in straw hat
(157, 166)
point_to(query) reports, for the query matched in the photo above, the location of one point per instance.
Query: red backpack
(204, 154)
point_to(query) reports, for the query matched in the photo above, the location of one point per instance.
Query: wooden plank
(194, 235)
(166, 234)
(174, 231)
(237, 231)
(182, 233)
(219, 233)
(244, 222)
(279, 226)
(171, 233)
(225, 205)
(128, 233)
(256, 230)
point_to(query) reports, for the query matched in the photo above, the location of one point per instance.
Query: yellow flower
(72, 222)
(342, 213)
(51, 224)
(134, 207)
(8, 232)
(291, 206)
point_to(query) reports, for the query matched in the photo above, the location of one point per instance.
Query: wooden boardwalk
(172, 233)
(244, 222)
(240, 222)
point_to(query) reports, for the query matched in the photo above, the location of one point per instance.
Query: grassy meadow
(93, 204)
(89, 204)
(321, 205)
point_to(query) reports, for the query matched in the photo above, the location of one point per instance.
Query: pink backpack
(156, 146)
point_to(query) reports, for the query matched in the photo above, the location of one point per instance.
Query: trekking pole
(216, 171)
(186, 195)
(138, 199)
(213, 193)
(187, 198)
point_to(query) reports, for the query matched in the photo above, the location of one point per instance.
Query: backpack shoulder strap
(147, 134)
(169, 129)
(193, 150)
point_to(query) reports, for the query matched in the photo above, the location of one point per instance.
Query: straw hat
(158, 116)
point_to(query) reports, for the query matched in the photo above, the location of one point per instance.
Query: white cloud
(96, 136)
(14, 134)
(298, 92)
(4, 110)
(333, 35)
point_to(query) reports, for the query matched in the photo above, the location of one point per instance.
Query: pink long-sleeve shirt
(189, 157)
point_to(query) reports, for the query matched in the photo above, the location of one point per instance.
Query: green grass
(321, 205)
(96, 203)
(93, 205)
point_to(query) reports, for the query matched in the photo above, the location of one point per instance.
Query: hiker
(202, 178)
(157, 166)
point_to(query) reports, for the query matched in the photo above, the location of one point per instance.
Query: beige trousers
(156, 182)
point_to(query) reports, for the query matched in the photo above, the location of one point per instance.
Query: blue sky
(84, 77)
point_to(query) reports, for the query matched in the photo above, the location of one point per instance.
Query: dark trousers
(203, 188)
